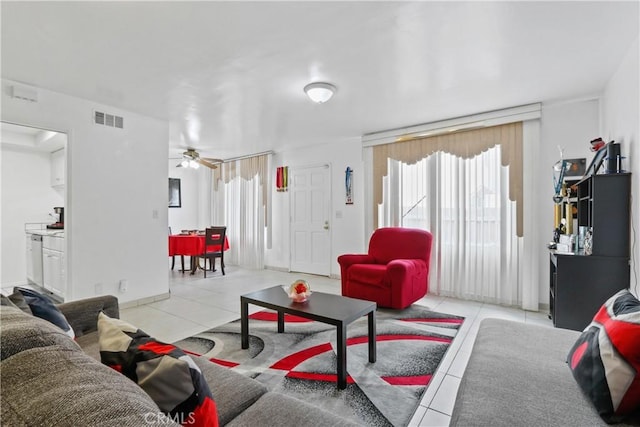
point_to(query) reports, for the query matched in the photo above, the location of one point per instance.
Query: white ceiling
(31, 139)
(229, 75)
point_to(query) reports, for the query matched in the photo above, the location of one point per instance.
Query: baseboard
(143, 301)
(270, 267)
(286, 270)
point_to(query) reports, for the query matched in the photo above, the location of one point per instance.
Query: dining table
(192, 245)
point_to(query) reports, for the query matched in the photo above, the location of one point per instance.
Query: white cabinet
(34, 259)
(53, 265)
(58, 168)
(29, 259)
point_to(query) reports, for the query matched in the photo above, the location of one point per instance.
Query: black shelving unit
(604, 205)
(579, 284)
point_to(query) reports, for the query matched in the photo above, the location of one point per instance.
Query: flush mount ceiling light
(319, 92)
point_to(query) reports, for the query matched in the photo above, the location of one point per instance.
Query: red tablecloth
(190, 245)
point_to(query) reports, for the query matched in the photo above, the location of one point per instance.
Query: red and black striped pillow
(605, 361)
(166, 373)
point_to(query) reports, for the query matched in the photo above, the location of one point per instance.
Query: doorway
(33, 170)
(310, 189)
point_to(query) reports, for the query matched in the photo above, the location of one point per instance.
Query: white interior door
(310, 190)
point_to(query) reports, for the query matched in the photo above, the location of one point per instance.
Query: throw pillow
(605, 360)
(166, 373)
(41, 306)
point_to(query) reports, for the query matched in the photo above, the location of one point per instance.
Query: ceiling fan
(191, 159)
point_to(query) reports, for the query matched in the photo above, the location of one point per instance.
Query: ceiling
(26, 138)
(229, 76)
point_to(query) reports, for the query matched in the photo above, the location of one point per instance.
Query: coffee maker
(58, 225)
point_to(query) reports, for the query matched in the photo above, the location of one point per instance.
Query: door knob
(326, 225)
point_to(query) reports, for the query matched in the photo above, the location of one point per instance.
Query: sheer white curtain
(239, 202)
(465, 204)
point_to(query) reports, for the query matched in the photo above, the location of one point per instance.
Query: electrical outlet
(97, 288)
(123, 285)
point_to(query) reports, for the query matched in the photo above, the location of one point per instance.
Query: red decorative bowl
(298, 291)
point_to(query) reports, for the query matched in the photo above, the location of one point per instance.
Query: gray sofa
(48, 379)
(517, 376)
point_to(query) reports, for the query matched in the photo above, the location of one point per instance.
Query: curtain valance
(246, 169)
(464, 144)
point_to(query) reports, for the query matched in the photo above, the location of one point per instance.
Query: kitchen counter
(56, 233)
(41, 229)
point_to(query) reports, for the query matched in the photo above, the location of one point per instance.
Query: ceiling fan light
(193, 164)
(319, 92)
(184, 163)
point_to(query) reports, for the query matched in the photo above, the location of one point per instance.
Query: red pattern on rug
(301, 361)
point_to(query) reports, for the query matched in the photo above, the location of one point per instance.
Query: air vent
(24, 93)
(106, 119)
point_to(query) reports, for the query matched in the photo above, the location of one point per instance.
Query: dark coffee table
(326, 308)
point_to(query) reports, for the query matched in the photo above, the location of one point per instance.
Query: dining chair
(173, 258)
(214, 236)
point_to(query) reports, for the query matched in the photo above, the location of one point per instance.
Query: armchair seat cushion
(369, 274)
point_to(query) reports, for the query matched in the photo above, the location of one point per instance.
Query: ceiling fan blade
(212, 160)
(207, 164)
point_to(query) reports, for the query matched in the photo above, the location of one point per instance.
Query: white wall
(347, 233)
(572, 125)
(187, 217)
(621, 122)
(116, 208)
(27, 196)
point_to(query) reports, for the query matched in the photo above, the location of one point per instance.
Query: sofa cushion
(517, 375)
(21, 331)
(44, 308)
(89, 343)
(605, 360)
(58, 386)
(16, 300)
(164, 371)
(234, 392)
(83, 314)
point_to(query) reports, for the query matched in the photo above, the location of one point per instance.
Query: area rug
(301, 362)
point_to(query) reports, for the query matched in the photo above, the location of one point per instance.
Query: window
(462, 194)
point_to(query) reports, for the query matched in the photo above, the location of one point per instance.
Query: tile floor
(197, 304)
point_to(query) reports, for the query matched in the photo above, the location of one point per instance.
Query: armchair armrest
(398, 268)
(409, 278)
(83, 314)
(347, 260)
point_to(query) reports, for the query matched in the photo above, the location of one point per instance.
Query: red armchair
(395, 272)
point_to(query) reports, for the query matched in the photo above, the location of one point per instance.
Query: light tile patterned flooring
(197, 304)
